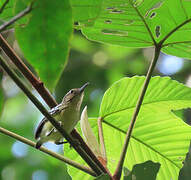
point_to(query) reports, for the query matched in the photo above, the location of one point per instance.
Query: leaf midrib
(131, 107)
(138, 140)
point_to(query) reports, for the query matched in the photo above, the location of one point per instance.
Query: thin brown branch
(15, 18)
(118, 170)
(51, 153)
(41, 108)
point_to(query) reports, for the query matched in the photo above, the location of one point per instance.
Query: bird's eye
(71, 91)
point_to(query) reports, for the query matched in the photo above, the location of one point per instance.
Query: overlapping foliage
(159, 135)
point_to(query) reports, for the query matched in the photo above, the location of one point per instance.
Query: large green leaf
(138, 23)
(158, 135)
(43, 37)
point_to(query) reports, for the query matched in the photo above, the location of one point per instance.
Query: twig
(45, 150)
(44, 93)
(36, 83)
(3, 6)
(101, 139)
(41, 108)
(15, 18)
(118, 170)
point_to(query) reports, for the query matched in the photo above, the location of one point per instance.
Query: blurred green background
(99, 64)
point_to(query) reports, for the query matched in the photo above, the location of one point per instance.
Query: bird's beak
(84, 86)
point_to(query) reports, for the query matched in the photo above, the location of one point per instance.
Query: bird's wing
(54, 111)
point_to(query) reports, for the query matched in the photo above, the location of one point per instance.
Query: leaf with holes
(159, 135)
(138, 23)
(86, 11)
(44, 36)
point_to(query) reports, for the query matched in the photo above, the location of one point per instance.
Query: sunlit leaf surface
(88, 134)
(141, 23)
(159, 135)
(7, 11)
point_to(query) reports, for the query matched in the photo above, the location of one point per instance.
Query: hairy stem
(41, 108)
(51, 153)
(118, 170)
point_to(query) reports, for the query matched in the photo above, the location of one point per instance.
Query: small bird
(66, 113)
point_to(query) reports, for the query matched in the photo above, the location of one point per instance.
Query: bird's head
(75, 96)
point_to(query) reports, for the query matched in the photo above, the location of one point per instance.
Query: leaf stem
(15, 18)
(41, 108)
(118, 170)
(101, 139)
(45, 150)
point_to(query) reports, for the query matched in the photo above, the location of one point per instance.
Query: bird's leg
(60, 142)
